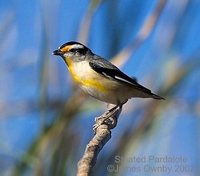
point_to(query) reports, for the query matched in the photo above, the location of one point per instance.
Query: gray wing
(110, 71)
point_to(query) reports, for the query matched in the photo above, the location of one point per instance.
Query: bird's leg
(106, 114)
(109, 117)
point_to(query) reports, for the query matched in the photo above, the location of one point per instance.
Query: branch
(145, 31)
(86, 21)
(102, 128)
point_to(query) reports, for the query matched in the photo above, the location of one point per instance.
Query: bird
(98, 77)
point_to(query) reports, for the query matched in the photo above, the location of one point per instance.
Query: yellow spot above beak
(65, 49)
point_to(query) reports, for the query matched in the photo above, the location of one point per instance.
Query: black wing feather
(106, 69)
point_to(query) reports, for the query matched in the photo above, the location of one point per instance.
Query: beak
(57, 53)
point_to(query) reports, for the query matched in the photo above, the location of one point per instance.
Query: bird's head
(72, 50)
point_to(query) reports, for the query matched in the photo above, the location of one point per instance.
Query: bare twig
(145, 31)
(102, 136)
(86, 21)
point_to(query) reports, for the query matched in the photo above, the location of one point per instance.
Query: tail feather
(157, 97)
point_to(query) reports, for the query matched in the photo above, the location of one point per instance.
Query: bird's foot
(107, 118)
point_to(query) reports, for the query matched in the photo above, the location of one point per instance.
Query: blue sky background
(35, 85)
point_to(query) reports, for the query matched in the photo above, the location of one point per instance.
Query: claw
(106, 118)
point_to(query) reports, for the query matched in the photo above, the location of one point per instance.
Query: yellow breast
(83, 74)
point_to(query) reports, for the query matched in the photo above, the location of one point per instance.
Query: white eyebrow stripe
(77, 46)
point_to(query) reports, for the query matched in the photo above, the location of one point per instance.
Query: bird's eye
(80, 51)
